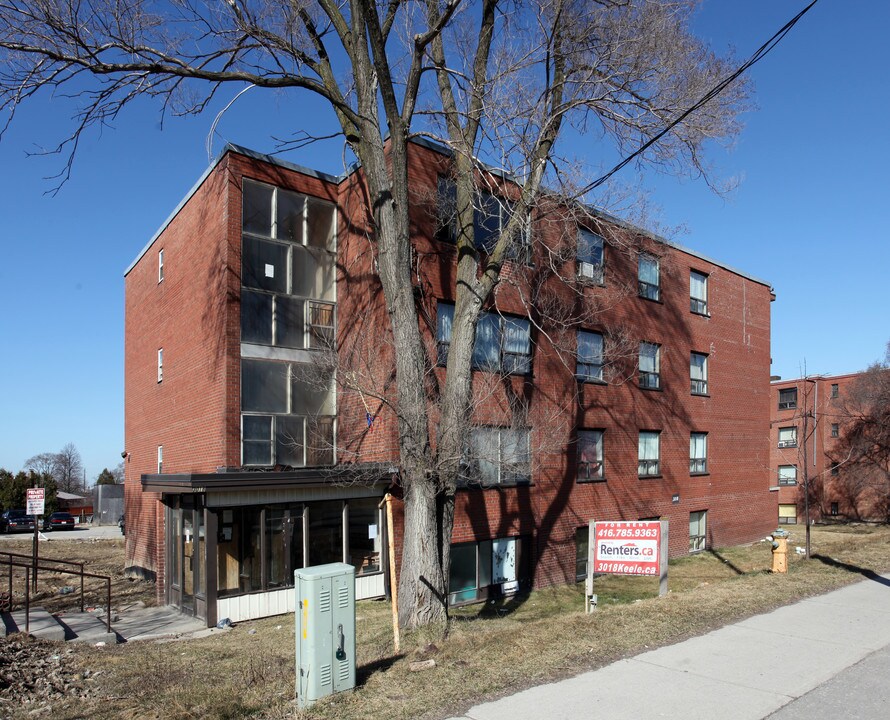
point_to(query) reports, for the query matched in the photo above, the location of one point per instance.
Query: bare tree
(862, 454)
(493, 80)
(43, 463)
(69, 469)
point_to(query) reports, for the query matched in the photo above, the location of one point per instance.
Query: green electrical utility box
(325, 629)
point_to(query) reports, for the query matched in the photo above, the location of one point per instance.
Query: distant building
(249, 457)
(808, 419)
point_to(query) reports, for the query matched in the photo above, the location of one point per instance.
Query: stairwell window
(649, 453)
(590, 256)
(160, 265)
(161, 364)
(698, 292)
(160, 459)
(835, 430)
(649, 285)
(698, 373)
(650, 366)
(698, 453)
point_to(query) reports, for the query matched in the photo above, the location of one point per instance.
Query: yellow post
(393, 580)
(780, 554)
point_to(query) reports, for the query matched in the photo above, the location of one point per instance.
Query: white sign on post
(35, 501)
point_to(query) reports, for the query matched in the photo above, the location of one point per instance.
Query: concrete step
(42, 624)
(75, 627)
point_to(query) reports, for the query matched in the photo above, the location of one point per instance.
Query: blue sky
(809, 216)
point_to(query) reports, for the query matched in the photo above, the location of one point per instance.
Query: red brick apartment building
(253, 451)
(808, 420)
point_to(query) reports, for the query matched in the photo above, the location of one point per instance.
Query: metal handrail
(28, 566)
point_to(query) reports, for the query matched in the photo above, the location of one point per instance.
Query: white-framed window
(160, 265)
(589, 364)
(698, 373)
(698, 453)
(288, 270)
(496, 456)
(787, 399)
(649, 453)
(591, 248)
(787, 474)
(487, 568)
(788, 437)
(160, 459)
(503, 342)
(160, 364)
(590, 456)
(649, 277)
(698, 292)
(787, 514)
(698, 530)
(650, 366)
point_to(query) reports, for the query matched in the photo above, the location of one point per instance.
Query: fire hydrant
(779, 540)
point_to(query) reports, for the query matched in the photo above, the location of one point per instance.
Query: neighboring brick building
(253, 450)
(808, 417)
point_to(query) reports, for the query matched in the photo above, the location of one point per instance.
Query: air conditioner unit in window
(787, 443)
(590, 271)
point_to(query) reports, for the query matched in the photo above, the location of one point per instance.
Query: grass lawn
(492, 649)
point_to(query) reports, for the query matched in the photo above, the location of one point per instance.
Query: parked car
(16, 520)
(59, 521)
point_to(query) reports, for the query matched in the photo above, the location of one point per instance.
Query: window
(590, 456)
(698, 453)
(287, 268)
(787, 514)
(503, 343)
(788, 437)
(648, 278)
(590, 255)
(650, 361)
(489, 568)
(491, 215)
(365, 538)
(160, 459)
(787, 475)
(160, 265)
(835, 430)
(160, 364)
(698, 373)
(698, 292)
(834, 509)
(287, 414)
(589, 365)
(648, 454)
(497, 456)
(835, 469)
(582, 545)
(698, 525)
(788, 399)
(834, 390)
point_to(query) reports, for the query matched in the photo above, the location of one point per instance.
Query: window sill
(493, 486)
(657, 301)
(589, 381)
(700, 314)
(695, 394)
(651, 389)
(650, 477)
(590, 481)
(699, 474)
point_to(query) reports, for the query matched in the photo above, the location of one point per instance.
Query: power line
(758, 55)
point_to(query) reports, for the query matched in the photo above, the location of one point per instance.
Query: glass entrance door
(186, 548)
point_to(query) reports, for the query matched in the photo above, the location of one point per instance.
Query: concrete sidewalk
(744, 671)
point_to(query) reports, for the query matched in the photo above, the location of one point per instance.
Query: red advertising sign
(627, 548)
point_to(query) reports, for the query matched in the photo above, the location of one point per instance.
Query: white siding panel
(369, 586)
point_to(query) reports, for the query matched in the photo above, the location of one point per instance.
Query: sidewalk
(744, 671)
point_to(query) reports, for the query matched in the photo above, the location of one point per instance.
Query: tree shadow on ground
(732, 566)
(364, 672)
(865, 572)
